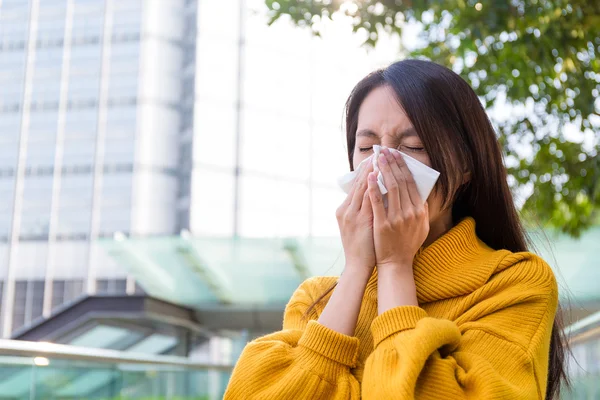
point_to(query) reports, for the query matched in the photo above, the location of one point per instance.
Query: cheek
(422, 157)
(358, 158)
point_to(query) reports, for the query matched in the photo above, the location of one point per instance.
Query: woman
(456, 308)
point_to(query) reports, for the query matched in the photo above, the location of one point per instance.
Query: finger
(355, 184)
(395, 169)
(376, 199)
(360, 187)
(409, 181)
(350, 194)
(393, 165)
(366, 204)
(394, 195)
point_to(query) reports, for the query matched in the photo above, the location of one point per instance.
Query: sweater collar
(456, 264)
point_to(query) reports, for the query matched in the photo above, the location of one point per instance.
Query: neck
(438, 227)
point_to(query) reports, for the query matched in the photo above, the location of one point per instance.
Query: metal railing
(75, 353)
(39, 370)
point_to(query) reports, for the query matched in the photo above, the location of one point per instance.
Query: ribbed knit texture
(481, 331)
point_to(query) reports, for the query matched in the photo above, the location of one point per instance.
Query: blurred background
(168, 171)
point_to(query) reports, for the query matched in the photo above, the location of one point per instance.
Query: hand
(355, 220)
(400, 231)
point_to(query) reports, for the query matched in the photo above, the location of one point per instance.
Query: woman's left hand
(400, 230)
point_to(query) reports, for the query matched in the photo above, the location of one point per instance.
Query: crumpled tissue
(424, 176)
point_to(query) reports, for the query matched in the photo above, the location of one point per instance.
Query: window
(40, 153)
(73, 289)
(116, 189)
(126, 23)
(124, 57)
(19, 304)
(115, 219)
(121, 121)
(6, 222)
(13, 29)
(84, 87)
(76, 191)
(48, 64)
(85, 59)
(58, 293)
(37, 299)
(74, 221)
(42, 132)
(35, 212)
(52, 12)
(46, 89)
(51, 27)
(29, 298)
(122, 85)
(112, 286)
(81, 124)
(37, 190)
(10, 124)
(64, 291)
(13, 62)
(88, 21)
(79, 151)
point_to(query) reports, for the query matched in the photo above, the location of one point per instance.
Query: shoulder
(527, 273)
(528, 267)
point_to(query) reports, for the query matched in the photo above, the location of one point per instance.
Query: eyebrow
(398, 136)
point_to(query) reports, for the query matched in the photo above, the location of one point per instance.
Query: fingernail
(372, 177)
(382, 159)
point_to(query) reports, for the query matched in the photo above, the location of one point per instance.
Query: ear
(466, 177)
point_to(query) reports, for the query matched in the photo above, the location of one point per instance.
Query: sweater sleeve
(305, 360)
(497, 349)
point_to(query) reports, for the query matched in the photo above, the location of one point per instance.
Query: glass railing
(30, 370)
(584, 361)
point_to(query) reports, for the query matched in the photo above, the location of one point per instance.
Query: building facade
(152, 117)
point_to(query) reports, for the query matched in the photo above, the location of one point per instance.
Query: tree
(541, 56)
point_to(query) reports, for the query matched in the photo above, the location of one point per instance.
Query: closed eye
(365, 149)
(413, 149)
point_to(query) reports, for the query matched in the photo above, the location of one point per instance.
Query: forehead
(381, 112)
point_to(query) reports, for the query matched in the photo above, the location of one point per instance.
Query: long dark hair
(458, 136)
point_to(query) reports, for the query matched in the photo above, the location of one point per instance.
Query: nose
(388, 143)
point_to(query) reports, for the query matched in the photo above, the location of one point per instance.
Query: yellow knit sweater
(481, 331)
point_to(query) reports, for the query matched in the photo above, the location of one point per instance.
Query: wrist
(396, 269)
(357, 273)
(395, 287)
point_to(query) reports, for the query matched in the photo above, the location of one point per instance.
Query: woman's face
(382, 121)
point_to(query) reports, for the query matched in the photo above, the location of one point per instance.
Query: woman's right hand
(355, 220)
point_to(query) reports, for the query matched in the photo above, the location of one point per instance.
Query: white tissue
(424, 176)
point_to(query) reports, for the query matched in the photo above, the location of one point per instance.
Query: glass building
(152, 117)
(181, 157)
